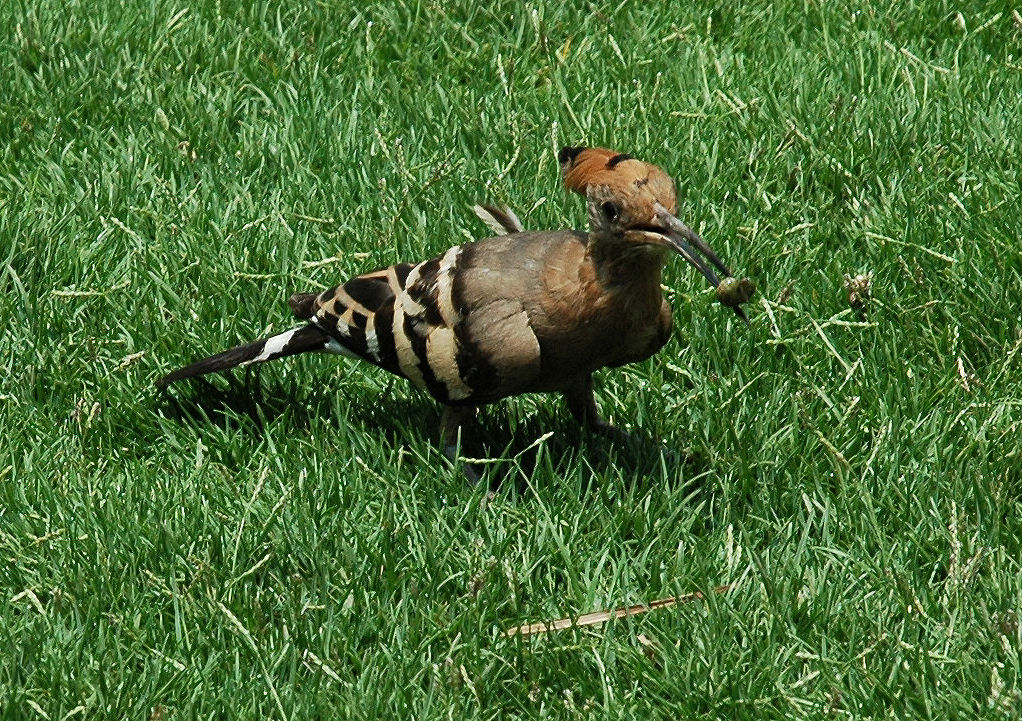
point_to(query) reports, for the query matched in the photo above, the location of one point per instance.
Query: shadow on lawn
(239, 400)
(640, 459)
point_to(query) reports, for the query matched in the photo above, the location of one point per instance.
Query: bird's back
(460, 324)
(483, 321)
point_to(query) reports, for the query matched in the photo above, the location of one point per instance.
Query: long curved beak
(681, 238)
(694, 249)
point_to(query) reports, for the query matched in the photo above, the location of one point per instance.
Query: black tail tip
(166, 380)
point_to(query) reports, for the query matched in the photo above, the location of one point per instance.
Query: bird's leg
(452, 426)
(582, 404)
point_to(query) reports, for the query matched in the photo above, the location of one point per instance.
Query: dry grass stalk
(598, 617)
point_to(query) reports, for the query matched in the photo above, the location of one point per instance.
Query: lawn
(287, 542)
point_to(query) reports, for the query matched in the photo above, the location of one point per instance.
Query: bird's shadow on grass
(541, 446)
(536, 445)
(245, 400)
(234, 404)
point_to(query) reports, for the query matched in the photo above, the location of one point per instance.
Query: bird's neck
(627, 266)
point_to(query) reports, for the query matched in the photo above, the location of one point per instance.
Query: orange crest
(585, 167)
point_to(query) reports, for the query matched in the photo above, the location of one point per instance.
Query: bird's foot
(608, 430)
(467, 468)
(453, 423)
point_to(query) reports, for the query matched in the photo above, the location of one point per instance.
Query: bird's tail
(299, 340)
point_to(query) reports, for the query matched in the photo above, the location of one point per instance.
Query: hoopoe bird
(519, 313)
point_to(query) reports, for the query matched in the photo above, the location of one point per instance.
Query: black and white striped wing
(410, 320)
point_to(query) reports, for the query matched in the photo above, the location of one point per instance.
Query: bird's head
(632, 204)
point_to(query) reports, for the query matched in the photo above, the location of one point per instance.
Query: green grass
(290, 544)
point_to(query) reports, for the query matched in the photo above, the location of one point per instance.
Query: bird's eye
(610, 211)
